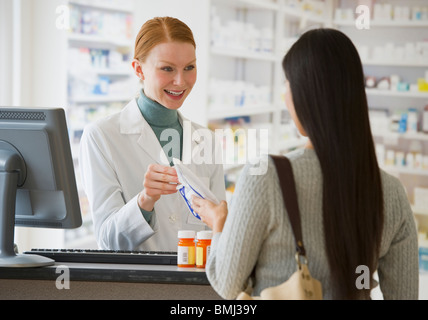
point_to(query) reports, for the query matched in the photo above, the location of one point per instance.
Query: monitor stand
(12, 174)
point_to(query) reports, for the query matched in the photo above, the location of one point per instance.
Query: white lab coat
(114, 155)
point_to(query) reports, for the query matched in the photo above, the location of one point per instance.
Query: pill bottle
(186, 248)
(425, 119)
(203, 246)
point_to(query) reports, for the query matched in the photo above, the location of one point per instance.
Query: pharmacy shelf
(423, 285)
(246, 65)
(420, 211)
(122, 72)
(79, 39)
(110, 35)
(398, 94)
(231, 112)
(396, 63)
(407, 135)
(306, 16)
(242, 54)
(385, 23)
(292, 143)
(103, 5)
(99, 99)
(255, 4)
(404, 170)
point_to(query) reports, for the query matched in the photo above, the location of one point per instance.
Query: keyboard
(108, 256)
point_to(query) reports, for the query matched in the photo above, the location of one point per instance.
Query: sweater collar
(155, 113)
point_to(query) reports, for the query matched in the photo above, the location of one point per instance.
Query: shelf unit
(243, 52)
(288, 21)
(396, 35)
(249, 13)
(392, 23)
(399, 94)
(399, 34)
(99, 77)
(248, 41)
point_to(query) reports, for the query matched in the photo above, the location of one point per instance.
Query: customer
(126, 158)
(352, 213)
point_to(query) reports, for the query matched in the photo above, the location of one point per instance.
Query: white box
(421, 197)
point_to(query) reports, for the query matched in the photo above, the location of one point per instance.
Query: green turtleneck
(160, 118)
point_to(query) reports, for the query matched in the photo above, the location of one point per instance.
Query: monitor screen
(37, 179)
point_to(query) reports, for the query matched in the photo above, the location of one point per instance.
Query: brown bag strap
(289, 194)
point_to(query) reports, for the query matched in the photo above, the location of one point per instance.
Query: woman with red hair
(126, 158)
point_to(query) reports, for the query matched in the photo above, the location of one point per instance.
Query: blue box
(423, 259)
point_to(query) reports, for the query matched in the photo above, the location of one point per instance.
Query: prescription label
(185, 255)
(200, 256)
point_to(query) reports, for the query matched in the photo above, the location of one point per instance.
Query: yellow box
(422, 84)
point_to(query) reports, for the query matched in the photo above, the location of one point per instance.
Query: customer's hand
(214, 216)
(158, 180)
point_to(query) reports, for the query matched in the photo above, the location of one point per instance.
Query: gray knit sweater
(257, 234)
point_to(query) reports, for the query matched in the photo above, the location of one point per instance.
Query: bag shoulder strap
(289, 194)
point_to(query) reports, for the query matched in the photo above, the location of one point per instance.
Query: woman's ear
(136, 65)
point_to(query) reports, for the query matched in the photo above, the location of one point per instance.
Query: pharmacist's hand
(213, 215)
(158, 180)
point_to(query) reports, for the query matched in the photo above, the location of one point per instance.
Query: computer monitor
(37, 180)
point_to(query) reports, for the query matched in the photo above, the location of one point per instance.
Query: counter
(106, 281)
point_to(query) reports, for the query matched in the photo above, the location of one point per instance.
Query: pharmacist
(126, 173)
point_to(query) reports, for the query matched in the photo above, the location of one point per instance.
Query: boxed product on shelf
(241, 36)
(423, 251)
(409, 52)
(313, 7)
(91, 21)
(420, 197)
(229, 93)
(242, 139)
(423, 259)
(386, 11)
(83, 58)
(422, 85)
(393, 83)
(424, 122)
(399, 159)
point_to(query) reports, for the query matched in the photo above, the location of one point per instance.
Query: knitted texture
(256, 248)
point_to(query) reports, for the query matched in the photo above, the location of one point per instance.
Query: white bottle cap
(205, 235)
(186, 234)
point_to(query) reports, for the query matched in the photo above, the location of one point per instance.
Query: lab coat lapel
(191, 139)
(133, 122)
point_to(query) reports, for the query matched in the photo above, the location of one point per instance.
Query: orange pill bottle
(203, 246)
(186, 248)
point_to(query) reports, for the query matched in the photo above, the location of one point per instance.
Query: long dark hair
(327, 86)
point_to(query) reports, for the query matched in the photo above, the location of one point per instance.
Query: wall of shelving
(394, 54)
(100, 79)
(6, 52)
(83, 67)
(393, 51)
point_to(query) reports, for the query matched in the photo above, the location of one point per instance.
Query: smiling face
(169, 73)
